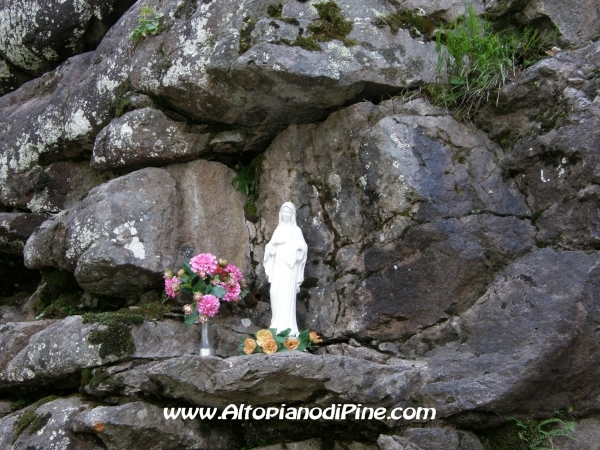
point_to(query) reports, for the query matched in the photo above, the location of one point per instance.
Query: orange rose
(291, 343)
(270, 346)
(314, 337)
(249, 346)
(262, 336)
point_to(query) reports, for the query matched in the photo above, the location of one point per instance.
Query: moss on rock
(275, 11)
(246, 35)
(30, 421)
(116, 339)
(330, 25)
(151, 311)
(411, 20)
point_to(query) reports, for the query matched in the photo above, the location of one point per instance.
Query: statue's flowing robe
(284, 266)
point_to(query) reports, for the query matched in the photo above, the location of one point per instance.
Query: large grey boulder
(125, 233)
(139, 425)
(238, 61)
(210, 213)
(402, 207)
(32, 124)
(36, 36)
(15, 336)
(527, 341)
(47, 425)
(48, 350)
(145, 137)
(259, 380)
(120, 224)
(549, 121)
(60, 349)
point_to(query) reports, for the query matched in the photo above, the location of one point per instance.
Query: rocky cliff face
(450, 265)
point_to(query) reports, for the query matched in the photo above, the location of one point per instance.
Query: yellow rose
(262, 336)
(269, 346)
(314, 337)
(291, 343)
(249, 346)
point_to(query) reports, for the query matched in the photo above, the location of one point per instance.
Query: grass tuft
(475, 62)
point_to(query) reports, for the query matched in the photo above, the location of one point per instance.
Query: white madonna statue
(285, 258)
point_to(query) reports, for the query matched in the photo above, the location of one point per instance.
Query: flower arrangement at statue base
(210, 281)
(270, 341)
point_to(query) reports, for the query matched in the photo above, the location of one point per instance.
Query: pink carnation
(172, 286)
(233, 291)
(209, 305)
(234, 272)
(204, 264)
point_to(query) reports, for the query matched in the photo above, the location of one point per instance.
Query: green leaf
(200, 286)
(190, 319)
(186, 267)
(303, 346)
(285, 333)
(304, 335)
(186, 290)
(458, 81)
(218, 291)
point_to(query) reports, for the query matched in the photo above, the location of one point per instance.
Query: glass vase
(206, 348)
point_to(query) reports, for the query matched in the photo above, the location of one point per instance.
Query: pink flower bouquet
(210, 281)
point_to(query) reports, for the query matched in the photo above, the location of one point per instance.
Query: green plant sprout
(148, 23)
(475, 62)
(537, 437)
(245, 180)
